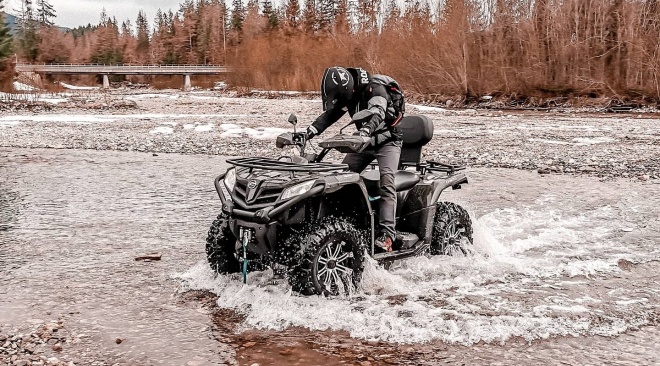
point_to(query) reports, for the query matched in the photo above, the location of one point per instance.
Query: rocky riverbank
(603, 145)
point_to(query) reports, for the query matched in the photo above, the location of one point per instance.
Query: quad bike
(317, 220)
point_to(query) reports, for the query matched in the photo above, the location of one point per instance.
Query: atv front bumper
(263, 222)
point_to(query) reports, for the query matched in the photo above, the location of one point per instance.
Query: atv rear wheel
(452, 229)
(330, 258)
(220, 244)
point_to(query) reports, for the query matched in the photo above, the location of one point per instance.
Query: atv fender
(419, 208)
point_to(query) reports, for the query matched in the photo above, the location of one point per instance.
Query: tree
(142, 47)
(270, 14)
(326, 15)
(28, 37)
(292, 15)
(5, 39)
(237, 15)
(45, 12)
(310, 17)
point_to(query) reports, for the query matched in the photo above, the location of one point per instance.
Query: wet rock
(625, 264)
(149, 257)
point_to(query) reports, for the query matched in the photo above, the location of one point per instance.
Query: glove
(363, 133)
(311, 132)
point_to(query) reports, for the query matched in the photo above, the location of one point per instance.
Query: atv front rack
(286, 166)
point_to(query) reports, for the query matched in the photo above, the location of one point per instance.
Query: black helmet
(336, 87)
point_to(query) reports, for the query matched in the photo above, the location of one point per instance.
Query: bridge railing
(118, 69)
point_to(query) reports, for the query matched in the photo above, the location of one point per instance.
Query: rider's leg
(388, 157)
(357, 162)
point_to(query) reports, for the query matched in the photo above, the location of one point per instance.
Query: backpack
(397, 105)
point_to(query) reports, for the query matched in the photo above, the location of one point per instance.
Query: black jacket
(373, 96)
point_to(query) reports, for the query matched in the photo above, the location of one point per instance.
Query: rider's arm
(325, 120)
(377, 104)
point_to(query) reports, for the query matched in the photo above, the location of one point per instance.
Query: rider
(353, 90)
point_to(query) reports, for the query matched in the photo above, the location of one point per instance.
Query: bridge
(126, 69)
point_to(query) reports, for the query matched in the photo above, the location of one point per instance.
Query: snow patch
(18, 86)
(425, 108)
(76, 87)
(233, 130)
(162, 130)
(204, 128)
(71, 118)
(593, 140)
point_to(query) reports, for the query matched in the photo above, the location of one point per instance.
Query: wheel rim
(453, 237)
(335, 267)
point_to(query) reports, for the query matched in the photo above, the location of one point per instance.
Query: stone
(56, 348)
(118, 340)
(625, 264)
(249, 344)
(149, 257)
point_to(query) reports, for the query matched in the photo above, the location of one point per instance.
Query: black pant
(388, 156)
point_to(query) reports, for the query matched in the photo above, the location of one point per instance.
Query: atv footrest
(405, 240)
(401, 254)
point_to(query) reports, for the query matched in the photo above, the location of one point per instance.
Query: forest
(464, 48)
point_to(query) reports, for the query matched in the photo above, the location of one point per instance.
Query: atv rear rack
(284, 165)
(434, 166)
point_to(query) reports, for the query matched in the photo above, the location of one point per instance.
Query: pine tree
(270, 14)
(310, 17)
(292, 14)
(342, 18)
(5, 39)
(237, 15)
(28, 37)
(326, 15)
(142, 47)
(45, 12)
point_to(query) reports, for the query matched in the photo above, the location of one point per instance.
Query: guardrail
(123, 69)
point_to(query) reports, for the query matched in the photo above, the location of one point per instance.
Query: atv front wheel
(220, 244)
(452, 229)
(330, 260)
(220, 250)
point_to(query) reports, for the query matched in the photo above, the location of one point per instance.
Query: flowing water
(553, 256)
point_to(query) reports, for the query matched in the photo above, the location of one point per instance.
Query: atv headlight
(230, 179)
(297, 190)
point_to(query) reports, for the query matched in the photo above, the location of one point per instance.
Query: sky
(72, 13)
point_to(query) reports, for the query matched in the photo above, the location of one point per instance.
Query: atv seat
(403, 180)
(417, 131)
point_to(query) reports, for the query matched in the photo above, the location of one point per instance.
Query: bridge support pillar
(187, 86)
(106, 81)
